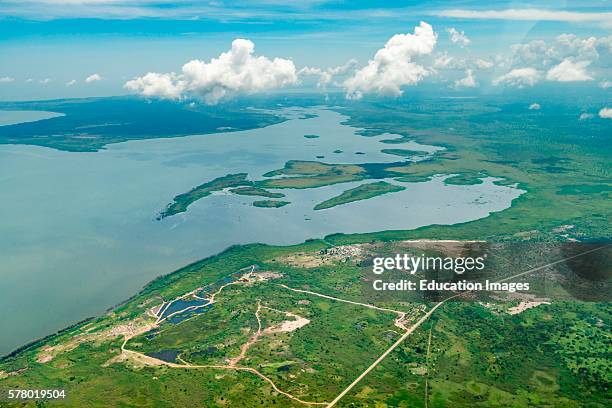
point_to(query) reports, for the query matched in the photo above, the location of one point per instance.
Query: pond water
(79, 234)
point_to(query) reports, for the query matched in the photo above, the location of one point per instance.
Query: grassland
(362, 192)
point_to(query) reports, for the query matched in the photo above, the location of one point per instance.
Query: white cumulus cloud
(605, 113)
(458, 37)
(519, 77)
(164, 86)
(484, 64)
(534, 106)
(44, 81)
(392, 66)
(71, 82)
(93, 78)
(569, 71)
(234, 71)
(468, 81)
(6, 79)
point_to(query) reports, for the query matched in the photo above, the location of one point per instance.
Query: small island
(403, 152)
(311, 136)
(362, 192)
(256, 191)
(270, 203)
(182, 201)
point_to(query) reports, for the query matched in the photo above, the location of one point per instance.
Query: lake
(79, 233)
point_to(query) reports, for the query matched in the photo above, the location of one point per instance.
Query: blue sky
(49, 47)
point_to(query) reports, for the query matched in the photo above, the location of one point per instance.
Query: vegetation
(270, 203)
(465, 179)
(466, 354)
(255, 191)
(362, 192)
(182, 201)
(403, 152)
(91, 124)
(561, 162)
(310, 174)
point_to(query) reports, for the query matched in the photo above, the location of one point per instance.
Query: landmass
(403, 152)
(90, 124)
(270, 203)
(362, 192)
(294, 326)
(256, 191)
(182, 201)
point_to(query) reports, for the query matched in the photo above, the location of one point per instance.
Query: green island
(403, 152)
(465, 179)
(256, 191)
(312, 174)
(362, 192)
(270, 203)
(182, 201)
(311, 136)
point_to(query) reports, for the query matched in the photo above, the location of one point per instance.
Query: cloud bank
(392, 66)
(235, 71)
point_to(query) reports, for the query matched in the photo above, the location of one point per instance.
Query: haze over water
(79, 232)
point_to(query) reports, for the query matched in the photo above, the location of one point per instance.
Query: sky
(213, 51)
